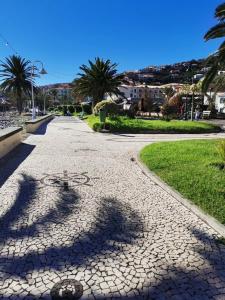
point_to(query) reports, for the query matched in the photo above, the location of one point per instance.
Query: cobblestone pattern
(120, 235)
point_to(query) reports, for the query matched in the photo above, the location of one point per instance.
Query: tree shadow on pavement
(199, 282)
(63, 207)
(26, 192)
(213, 252)
(115, 225)
(11, 162)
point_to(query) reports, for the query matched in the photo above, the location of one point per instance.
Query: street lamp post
(42, 71)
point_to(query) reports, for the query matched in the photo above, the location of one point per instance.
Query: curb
(209, 220)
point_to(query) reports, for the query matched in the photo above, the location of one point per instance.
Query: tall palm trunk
(19, 103)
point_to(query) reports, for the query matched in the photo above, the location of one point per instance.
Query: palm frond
(98, 78)
(220, 11)
(17, 76)
(215, 32)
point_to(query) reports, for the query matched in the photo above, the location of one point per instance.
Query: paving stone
(78, 208)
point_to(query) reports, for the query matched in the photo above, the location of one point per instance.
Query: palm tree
(98, 78)
(16, 73)
(216, 61)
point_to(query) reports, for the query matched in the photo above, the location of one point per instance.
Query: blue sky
(66, 33)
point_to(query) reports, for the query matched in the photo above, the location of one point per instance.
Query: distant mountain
(182, 72)
(64, 85)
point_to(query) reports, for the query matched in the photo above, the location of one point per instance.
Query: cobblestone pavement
(74, 205)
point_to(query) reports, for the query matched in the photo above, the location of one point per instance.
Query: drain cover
(68, 289)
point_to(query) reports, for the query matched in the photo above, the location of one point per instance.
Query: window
(222, 100)
(131, 95)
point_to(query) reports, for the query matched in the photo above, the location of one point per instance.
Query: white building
(138, 92)
(63, 90)
(219, 101)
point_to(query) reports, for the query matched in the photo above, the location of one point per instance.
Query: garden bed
(128, 125)
(191, 167)
(12, 119)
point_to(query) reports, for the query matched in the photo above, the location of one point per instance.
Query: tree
(216, 61)
(17, 77)
(97, 79)
(187, 90)
(54, 94)
(168, 92)
(76, 96)
(42, 98)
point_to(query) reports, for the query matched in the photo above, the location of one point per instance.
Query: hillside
(179, 72)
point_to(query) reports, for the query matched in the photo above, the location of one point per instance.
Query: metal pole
(32, 95)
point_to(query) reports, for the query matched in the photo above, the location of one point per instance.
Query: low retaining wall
(9, 139)
(33, 125)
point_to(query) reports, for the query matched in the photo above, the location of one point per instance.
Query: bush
(64, 110)
(86, 108)
(71, 109)
(168, 110)
(132, 112)
(157, 109)
(78, 108)
(109, 106)
(59, 107)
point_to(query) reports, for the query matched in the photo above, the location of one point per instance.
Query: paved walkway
(76, 206)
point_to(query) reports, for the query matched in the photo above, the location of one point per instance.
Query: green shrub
(157, 109)
(78, 108)
(64, 110)
(168, 110)
(60, 108)
(86, 108)
(71, 109)
(109, 106)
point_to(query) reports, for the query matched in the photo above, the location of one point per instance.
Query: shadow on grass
(11, 162)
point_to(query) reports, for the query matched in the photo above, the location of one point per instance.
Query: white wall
(219, 101)
(138, 92)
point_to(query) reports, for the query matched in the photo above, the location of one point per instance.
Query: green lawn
(127, 125)
(189, 167)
